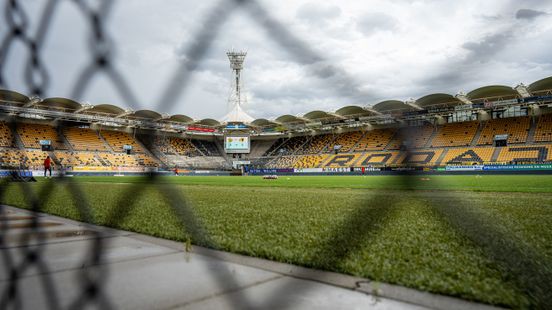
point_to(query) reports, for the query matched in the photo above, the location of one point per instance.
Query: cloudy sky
(302, 55)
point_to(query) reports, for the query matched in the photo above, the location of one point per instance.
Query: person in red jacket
(48, 166)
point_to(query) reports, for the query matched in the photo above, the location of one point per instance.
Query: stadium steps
(149, 146)
(156, 154)
(278, 147)
(359, 139)
(200, 150)
(532, 129)
(324, 150)
(17, 142)
(442, 156)
(107, 145)
(308, 141)
(496, 152)
(148, 152)
(392, 139)
(477, 134)
(274, 160)
(54, 158)
(324, 162)
(65, 140)
(101, 160)
(431, 137)
(200, 147)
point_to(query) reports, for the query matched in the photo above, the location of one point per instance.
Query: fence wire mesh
(516, 259)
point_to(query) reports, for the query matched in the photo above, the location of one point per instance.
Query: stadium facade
(492, 127)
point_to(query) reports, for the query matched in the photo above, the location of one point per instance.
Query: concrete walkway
(142, 272)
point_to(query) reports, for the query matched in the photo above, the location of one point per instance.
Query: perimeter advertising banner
(464, 168)
(308, 170)
(519, 167)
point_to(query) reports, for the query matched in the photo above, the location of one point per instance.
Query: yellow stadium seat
(516, 128)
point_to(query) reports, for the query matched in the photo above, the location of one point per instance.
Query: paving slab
(143, 272)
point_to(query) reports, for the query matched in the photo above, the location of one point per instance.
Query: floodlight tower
(236, 63)
(236, 100)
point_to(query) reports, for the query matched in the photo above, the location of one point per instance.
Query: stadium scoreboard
(238, 144)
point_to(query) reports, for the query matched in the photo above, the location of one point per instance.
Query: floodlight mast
(236, 63)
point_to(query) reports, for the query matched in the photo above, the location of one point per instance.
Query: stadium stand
(164, 146)
(455, 134)
(292, 145)
(181, 147)
(119, 160)
(283, 162)
(11, 158)
(117, 140)
(206, 147)
(84, 139)
(455, 143)
(309, 161)
(517, 129)
(31, 134)
(6, 137)
(525, 154)
(378, 159)
(413, 137)
(72, 159)
(543, 132)
(146, 160)
(468, 155)
(316, 145)
(275, 146)
(376, 139)
(29, 159)
(34, 159)
(346, 140)
(422, 157)
(342, 160)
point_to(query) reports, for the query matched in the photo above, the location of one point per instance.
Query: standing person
(48, 166)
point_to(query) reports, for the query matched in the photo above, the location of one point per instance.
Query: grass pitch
(483, 238)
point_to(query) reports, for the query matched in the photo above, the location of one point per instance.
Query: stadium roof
(492, 91)
(541, 85)
(319, 115)
(105, 108)
(392, 106)
(263, 122)
(13, 96)
(60, 103)
(290, 119)
(149, 114)
(353, 110)
(208, 122)
(438, 100)
(181, 118)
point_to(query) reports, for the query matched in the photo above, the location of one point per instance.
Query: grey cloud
(317, 12)
(529, 14)
(313, 61)
(462, 70)
(151, 41)
(373, 22)
(483, 50)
